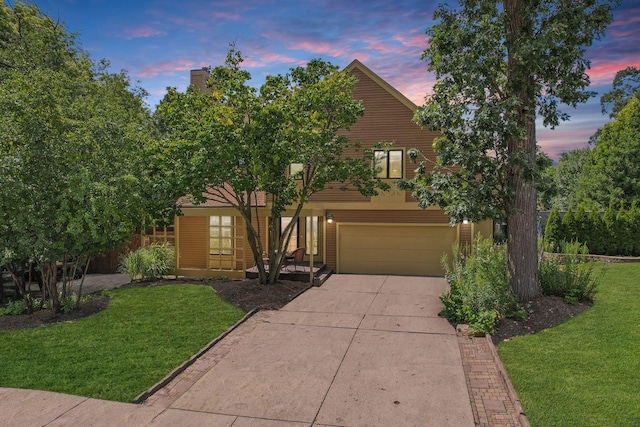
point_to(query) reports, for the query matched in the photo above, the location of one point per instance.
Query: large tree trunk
(522, 220)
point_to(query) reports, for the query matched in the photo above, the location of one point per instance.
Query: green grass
(120, 352)
(584, 372)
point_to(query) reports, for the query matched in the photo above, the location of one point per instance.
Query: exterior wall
(388, 118)
(192, 243)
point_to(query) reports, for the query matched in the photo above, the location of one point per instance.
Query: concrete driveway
(358, 351)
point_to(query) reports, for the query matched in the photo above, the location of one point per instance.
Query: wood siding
(193, 233)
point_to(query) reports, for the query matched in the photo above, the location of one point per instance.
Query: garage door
(394, 249)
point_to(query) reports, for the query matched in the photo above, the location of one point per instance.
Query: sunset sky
(159, 41)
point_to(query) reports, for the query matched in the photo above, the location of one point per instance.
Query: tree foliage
(616, 232)
(498, 65)
(235, 142)
(565, 176)
(553, 231)
(626, 85)
(72, 180)
(612, 171)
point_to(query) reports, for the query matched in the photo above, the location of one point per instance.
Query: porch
(300, 273)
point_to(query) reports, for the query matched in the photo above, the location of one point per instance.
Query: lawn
(584, 372)
(120, 352)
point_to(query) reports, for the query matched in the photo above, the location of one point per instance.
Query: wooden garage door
(394, 249)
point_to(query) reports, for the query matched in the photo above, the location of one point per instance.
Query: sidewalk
(358, 351)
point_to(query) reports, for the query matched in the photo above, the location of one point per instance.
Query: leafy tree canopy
(71, 148)
(235, 141)
(626, 85)
(612, 171)
(566, 175)
(498, 65)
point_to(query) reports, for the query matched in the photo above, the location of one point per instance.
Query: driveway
(358, 351)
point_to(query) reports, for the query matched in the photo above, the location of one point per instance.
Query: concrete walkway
(358, 351)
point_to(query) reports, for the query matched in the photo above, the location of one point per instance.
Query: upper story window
(391, 163)
(294, 168)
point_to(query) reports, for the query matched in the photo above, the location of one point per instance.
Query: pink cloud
(226, 16)
(603, 73)
(167, 68)
(631, 17)
(142, 32)
(310, 46)
(260, 60)
(418, 41)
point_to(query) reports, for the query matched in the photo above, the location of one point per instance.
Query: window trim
(387, 158)
(298, 166)
(221, 250)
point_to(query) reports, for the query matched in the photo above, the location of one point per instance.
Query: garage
(398, 249)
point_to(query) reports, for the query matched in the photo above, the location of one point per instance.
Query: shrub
(623, 232)
(14, 308)
(595, 235)
(610, 229)
(553, 231)
(634, 227)
(569, 226)
(570, 275)
(478, 292)
(149, 262)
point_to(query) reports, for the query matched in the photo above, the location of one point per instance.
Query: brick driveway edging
(494, 401)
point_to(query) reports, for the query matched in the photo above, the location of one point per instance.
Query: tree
(72, 181)
(235, 142)
(633, 218)
(498, 65)
(623, 232)
(612, 172)
(553, 232)
(626, 85)
(566, 177)
(596, 240)
(610, 227)
(569, 227)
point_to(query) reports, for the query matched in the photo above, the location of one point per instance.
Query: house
(385, 234)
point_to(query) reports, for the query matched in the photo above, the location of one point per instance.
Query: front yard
(120, 352)
(584, 372)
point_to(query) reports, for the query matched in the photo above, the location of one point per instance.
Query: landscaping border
(494, 401)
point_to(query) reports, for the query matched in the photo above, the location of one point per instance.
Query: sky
(159, 41)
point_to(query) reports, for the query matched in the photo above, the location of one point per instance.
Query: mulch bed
(544, 312)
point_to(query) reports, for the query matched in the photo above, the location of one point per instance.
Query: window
(293, 242)
(294, 168)
(159, 235)
(390, 162)
(221, 235)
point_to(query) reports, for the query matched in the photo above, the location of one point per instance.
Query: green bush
(634, 228)
(595, 235)
(553, 231)
(569, 226)
(14, 308)
(570, 275)
(478, 292)
(149, 262)
(610, 229)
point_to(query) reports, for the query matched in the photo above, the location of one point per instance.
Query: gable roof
(355, 64)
